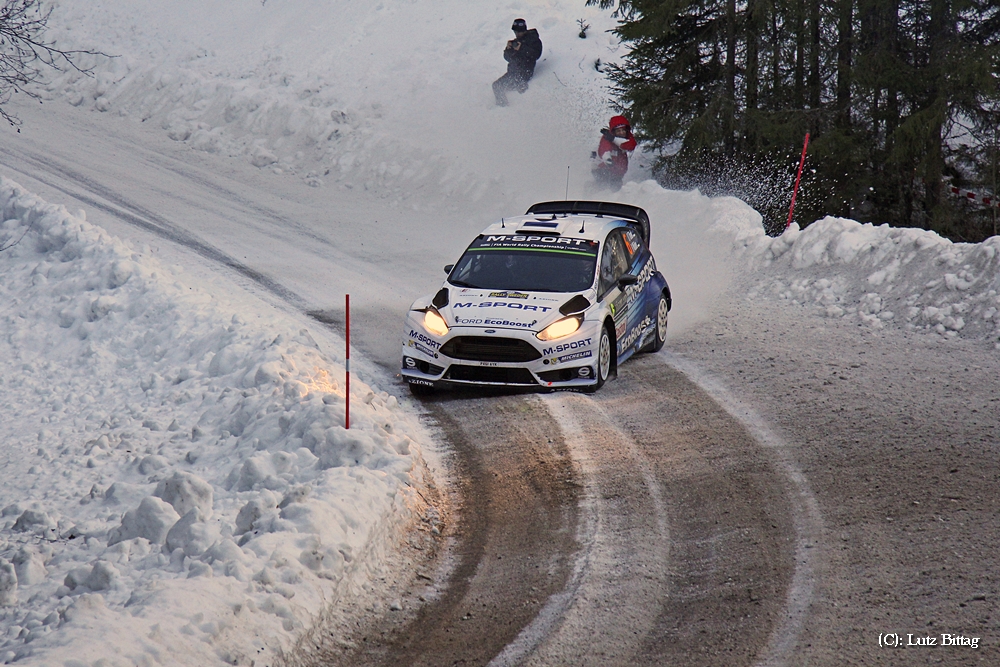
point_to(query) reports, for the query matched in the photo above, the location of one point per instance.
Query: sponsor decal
(632, 292)
(632, 242)
(426, 340)
(416, 381)
(575, 345)
(575, 355)
(508, 295)
(491, 322)
(515, 305)
(634, 334)
(620, 328)
(539, 243)
(508, 323)
(417, 346)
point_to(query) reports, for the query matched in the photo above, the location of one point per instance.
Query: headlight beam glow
(560, 328)
(434, 323)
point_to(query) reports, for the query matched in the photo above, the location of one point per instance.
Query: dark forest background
(901, 99)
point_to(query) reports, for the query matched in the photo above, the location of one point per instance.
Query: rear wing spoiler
(633, 214)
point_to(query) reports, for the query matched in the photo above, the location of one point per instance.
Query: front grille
(484, 348)
(490, 374)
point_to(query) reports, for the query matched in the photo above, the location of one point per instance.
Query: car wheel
(603, 361)
(420, 390)
(660, 333)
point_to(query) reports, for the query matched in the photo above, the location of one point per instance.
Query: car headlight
(560, 328)
(434, 323)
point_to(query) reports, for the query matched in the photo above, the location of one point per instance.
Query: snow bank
(178, 477)
(878, 276)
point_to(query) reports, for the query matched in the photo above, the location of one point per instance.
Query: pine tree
(901, 97)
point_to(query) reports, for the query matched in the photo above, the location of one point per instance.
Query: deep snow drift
(178, 487)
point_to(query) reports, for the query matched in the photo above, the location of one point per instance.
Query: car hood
(504, 309)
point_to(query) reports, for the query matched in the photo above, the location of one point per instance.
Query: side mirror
(627, 279)
(448, 268)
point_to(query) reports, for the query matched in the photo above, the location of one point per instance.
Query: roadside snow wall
(876, 275)
(178, 487)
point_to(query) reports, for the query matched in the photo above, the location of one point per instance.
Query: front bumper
(469, 356)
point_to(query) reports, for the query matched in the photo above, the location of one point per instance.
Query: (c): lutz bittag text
(896, 640)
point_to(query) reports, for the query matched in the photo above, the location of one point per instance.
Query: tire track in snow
(807, 519)
(684, 529)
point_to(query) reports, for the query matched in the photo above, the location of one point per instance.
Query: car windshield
(527, 263)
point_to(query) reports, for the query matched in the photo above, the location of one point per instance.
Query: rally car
(553, 299)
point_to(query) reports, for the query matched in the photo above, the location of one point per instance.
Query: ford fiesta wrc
(553, 299)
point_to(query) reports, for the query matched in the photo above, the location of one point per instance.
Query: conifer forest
(901, 99)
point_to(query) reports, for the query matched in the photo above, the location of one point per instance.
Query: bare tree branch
(25, 54)
(10, 245)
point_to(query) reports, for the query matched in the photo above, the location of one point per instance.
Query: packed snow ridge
(879, 275)
(179, 487)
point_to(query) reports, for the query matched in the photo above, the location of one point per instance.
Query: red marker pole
(347, 365)
(802, 163)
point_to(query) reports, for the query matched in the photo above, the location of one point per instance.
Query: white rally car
(553, 299)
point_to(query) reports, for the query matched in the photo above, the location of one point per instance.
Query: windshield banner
(535, 243)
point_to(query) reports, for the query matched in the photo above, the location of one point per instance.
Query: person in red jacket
(611, 158)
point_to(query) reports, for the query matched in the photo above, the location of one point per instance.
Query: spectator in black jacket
(520, 54)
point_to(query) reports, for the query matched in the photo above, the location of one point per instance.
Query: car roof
(577, 226)
(635, 216)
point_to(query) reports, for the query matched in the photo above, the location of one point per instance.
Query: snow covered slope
(392, 97)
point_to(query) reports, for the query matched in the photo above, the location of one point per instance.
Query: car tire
(660, 326)
(420, 390)
(605, 357)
